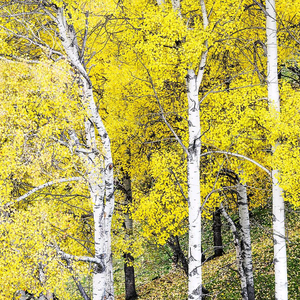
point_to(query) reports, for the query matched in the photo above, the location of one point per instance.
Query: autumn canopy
(124, 122)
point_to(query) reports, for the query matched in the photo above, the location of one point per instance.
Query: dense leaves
(136, 55)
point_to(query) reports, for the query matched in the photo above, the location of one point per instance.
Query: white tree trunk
(160, 2)
(176, 6)
(193, 164)
(193, 170)
(280, 260)
(245, 238)
(99, 171)
(236, 241)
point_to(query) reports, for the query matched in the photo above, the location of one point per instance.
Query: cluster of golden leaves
(139, 56)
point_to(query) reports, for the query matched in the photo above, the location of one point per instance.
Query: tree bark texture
(178, 255)
(99, 169)
(280, 259)
(217, 226)
(193, 165)
(245, 238)
(193, 170)
(236, 241)
(130, 289)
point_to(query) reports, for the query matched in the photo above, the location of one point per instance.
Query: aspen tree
(245, 237)
(280, 259)
(238, 250)
(96, 155)
(193, 166)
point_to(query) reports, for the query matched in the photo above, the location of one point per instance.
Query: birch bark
(236, 241)
(246, 252)
(193, 173)
(193, 170)
(193, 166)
(99, 171)
(280, 260)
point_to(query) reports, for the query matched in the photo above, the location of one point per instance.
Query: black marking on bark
(198, 290)
(194, 108)
(194, 272)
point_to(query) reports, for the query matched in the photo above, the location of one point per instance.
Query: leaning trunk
(236, 241)
(245, 238)
(99, 168)
(178, 255)
(280, 260)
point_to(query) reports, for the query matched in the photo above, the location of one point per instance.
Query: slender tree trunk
(193, 170)
(238, 251)
(193, 165)
(245, 238)
(280, 260)
(178, 255)
(217, 226)
(99, 168)
(130, 289)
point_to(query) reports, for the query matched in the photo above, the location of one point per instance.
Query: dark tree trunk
(178, 255)
(203, 258)
(129, 277)
(217, 225)
(130, 290)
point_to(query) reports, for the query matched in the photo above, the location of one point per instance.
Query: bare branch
(85, 36)
(13, 58)
(68, 257)
(225, 188)
(180, 187)
(240, 156)
(162, 113)
(40, 187)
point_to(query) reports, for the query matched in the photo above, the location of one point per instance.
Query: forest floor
(157, 278)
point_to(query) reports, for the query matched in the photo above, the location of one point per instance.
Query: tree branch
(240, 156)
(204, 54)
(40, 187)
(162, 113)
(89, 259)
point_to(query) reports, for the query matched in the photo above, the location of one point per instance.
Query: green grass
(156, 279)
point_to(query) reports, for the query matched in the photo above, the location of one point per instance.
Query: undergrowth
(156, 278)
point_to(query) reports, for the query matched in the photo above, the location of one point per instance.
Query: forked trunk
(99, 168)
